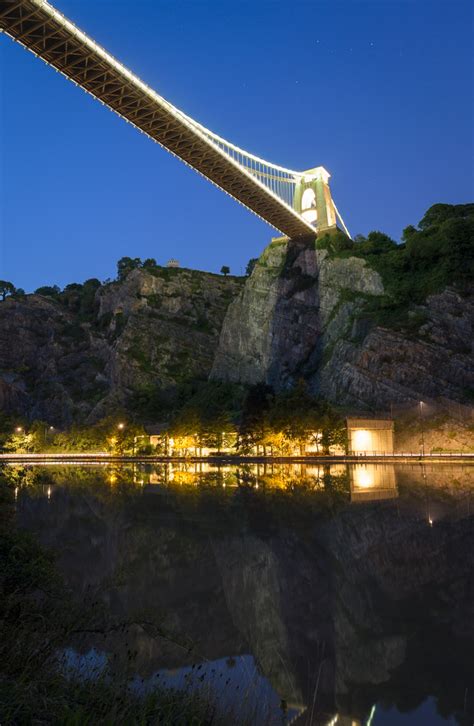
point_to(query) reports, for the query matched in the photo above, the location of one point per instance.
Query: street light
(46, 429)
(121, 426)
(19, 429)
(422, 431)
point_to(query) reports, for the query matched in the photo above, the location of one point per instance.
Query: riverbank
(103, 457)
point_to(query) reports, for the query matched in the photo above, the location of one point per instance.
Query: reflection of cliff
(375, 599)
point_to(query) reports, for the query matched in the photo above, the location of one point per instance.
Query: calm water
(291, 593)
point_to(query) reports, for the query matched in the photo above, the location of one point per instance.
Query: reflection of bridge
(295, 203)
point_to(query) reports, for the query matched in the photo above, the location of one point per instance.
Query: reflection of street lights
(430, 520)
(422, 432)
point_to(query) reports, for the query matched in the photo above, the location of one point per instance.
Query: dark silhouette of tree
(250, 266)
(48, 290)
(225, 270)
(125, 265)
(6, 288)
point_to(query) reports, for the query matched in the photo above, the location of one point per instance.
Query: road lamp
(47, 429)
(121, 426)
(422, 431)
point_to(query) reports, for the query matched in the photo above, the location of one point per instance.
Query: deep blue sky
(377, 91)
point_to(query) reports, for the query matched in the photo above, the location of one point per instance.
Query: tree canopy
(435, 254)
(250, 266)
(6, 288)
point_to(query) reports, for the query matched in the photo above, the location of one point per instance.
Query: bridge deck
(40, 28)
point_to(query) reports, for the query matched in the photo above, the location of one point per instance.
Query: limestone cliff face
(163, 328)
(302, 314)
(149, 330)
(275, 329)
(371, 365)
(271, 329)
(49, 364)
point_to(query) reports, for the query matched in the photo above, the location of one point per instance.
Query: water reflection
(371, 482)
(341, 587)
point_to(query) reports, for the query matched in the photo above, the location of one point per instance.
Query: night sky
(380, 93)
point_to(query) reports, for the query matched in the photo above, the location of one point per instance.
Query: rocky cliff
(304, 314)
(332, 315)
(153, 329)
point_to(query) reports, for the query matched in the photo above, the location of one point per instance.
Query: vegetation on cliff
(436, 254)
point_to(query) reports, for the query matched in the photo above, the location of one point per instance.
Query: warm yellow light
(363, 477)
(121, 426)
(18, 429)
(361, 440)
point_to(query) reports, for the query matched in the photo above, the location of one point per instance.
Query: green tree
(250, 266)
(48, 291)
(295, 414)
(333, 428)
(439, 213)
(340, 241)
(89, 305)
(149, 262)
(254, 418)
(6, 288)
(125, 265)
(225, 270)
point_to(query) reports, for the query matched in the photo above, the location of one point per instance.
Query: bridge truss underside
(40, 28)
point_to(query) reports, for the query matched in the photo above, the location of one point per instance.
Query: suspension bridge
(293, 202)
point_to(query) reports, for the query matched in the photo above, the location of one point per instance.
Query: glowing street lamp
(121, 426)
(422, 431)
(19, 429)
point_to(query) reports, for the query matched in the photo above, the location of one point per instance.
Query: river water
(292, 593)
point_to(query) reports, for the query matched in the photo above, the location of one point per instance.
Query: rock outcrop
(302, 314)
(376, 367)
(147, 331)
(272, 329)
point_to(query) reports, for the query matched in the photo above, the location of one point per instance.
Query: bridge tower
(313, 199)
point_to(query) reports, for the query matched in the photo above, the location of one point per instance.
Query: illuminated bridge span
(295, 203)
